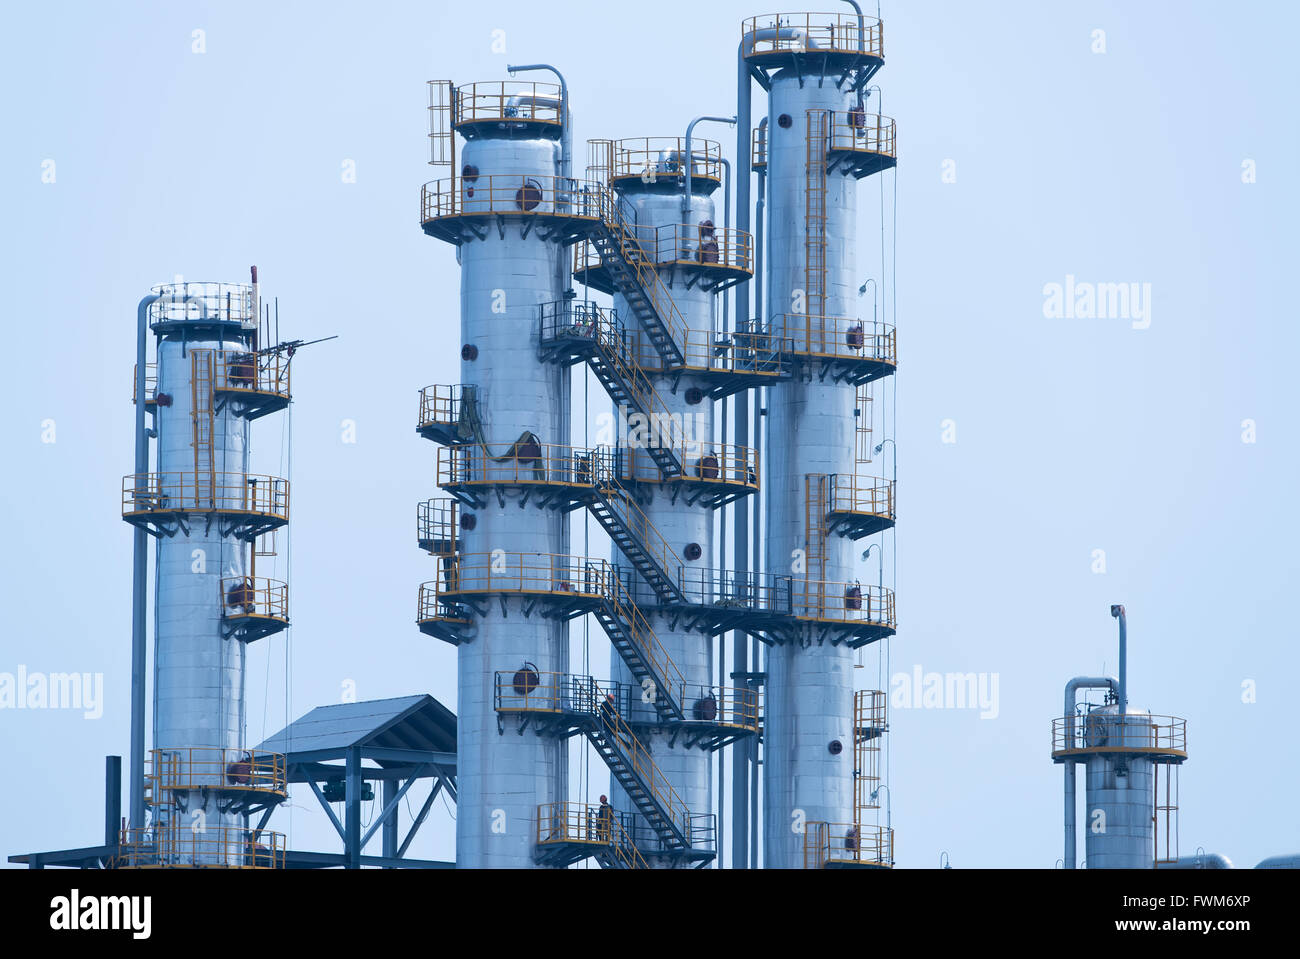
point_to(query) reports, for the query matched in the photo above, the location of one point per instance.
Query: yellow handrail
(865, 495)
(248, 493)
(856, 131)
(653, 158)
(831, 337)
(186, 768)
(787, 33)
(506, 100)
(864, 844)
(1108, 731)
(588, 824)
(254, 596)
(174, 845)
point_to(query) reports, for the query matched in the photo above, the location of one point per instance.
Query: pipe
(112, 800)
(690, 156)
(1118, 612)
(1202, 860)
(1071, 689)
(743, 856)
(1288, 861)
(139, 572)
(779, 33)
(566, 126)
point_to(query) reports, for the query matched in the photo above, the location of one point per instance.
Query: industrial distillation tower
(211, 519)
(1131, 760)
(817, 143)
(643, 229)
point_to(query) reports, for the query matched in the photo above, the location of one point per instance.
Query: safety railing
(245, 372)
(788, 33)
(150, 382)
(706, 351)
(436, 607)
(204, 492)
(702, 836)
(837, 602)
(188, 302)
(520, 101)
(825, 337)
(582, 320)
(437, 523)
(683, 244)
(589, 824)
(442, 405)
(861, 495)
(526, 690)
(652, 159)
(524, 573)
(525, 463)
(721, 463)
(642, 764)
(860, 132)
(728, 589)
(510, 194)
(174, 845)
(827, 843)
(758, 148)
(702, 244)
(187, 768)
(1101, 731)
(248, 596)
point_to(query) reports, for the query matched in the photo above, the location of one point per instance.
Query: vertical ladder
(815, 230)
(869, 725)
(814, 517)
(204, 417)
(442, 139)
(1166, 808)
(862, 411)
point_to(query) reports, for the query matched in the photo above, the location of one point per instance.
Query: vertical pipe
(1118, 612)
(1071, 689)
(352, 811)
(744, 168)
(390, 824)
(112, 799)
(139, 574)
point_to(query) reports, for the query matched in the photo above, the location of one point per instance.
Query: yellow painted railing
(1098, 731)
(510, 194)
(786, 33)
(528, 464)
(829, 337)
(150, 382)
(650, 159)
(588, 824)
(254, 596)
(702, 244)
(441, 405)
(205, 492)
(722, 463)
(758, 147)
(866, 495)
(186, 768)
(506, 100)
(825, 601)
(861, 132)
(849, 843)
(175, 845)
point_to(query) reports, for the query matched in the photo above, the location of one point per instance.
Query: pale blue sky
(1072, 435)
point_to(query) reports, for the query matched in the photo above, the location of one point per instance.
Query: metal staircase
(642, 544)
(645, 785)
(630, 634)
(634, 276)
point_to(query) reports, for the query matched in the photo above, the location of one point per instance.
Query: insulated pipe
(1118, 612)
(1291, 861)
(1211, 860)
(779, 33)
(690, 157)
(741, 843)
(1071, 689)
(139, 573)
(566, 127)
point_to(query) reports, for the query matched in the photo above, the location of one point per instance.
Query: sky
(1048, 465)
